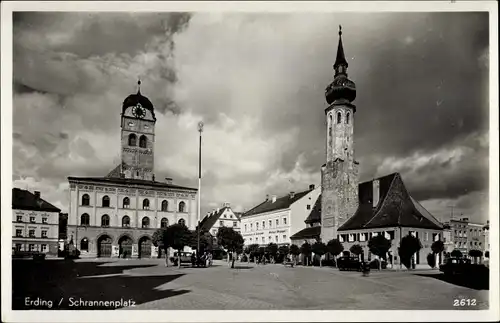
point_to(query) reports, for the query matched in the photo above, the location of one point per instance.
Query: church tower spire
(339, 175)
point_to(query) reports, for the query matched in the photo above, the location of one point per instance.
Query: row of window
(32, 247)
(339, 117)
(262, 240)
(31, 233)
(464, 244)
(473, 232)
(270, 222)
(235, 223)
(126, 203)
(132, 141)
(105, 220)
(19, 218)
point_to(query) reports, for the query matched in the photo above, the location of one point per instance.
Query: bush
(431, 260)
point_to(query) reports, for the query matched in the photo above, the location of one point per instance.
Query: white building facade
(35, 223)
(277, 218)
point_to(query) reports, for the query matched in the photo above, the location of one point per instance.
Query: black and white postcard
(249, 161)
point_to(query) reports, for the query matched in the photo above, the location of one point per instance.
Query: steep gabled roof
(209, 220)
(307, 233)
(396, 208)
(283, 202)
(25, 200)
(315, 215)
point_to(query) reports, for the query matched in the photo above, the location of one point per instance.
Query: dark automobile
(456, 266)
(185, 258)
(349, 263)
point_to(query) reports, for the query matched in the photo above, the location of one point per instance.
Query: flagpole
(200, 130)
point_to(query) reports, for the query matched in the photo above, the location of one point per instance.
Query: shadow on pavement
(242, 267)
(65, 284)
(478, 283)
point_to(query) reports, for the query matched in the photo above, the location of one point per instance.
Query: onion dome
(138, 98)
(341, 90)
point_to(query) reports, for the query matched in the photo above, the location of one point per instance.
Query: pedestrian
(193, 259)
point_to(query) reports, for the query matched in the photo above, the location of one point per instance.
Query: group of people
(205, 260)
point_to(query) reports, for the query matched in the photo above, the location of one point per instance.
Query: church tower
(339, 176)
(137, 137)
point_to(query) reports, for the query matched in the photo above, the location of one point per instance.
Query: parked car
(374, 264)
(456, 266)
(349, 263)
(185, 258)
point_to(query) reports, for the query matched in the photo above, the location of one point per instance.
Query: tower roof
(340, 60)
(138, 98)
(341, 90)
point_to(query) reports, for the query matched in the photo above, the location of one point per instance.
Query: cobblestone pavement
(251, 286)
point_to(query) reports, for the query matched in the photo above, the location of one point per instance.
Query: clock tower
(339, 176)
(137, 137)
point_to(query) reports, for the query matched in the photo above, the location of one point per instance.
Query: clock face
(139, 111)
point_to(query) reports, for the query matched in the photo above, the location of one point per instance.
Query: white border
(242, 316)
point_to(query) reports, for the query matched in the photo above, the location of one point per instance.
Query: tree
(295, 251)
(283, 251)
(431, 260)
(272, 249)
(158, 242)
(456, 254)
(253, 250)
(474, 253)
(319, 248)
(206, 241)
(230, 240)
(407, 248)
(437, 247)
(177, 236)
(379, 246)
(356, 250)
(305, 249)
(334, 247)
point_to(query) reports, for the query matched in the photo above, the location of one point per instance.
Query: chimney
(376, 192)
(153, 177)
(292, 195)
(218, 210)
(274, 198)
(168, 180)
(267, 197)
(37, 194)
(311, 187)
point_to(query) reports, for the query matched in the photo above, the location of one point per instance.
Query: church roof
(307, 233)
(315, 215)
(116, 172)
(396, 208)
(130, 181)
(283, 202)
(25, 200)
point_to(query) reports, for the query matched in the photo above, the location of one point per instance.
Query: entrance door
(104, 247)
(125, 247)
(145, 247)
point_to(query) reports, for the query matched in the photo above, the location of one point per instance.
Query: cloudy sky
(257, 81)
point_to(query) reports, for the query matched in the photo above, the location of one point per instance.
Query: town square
(252, 161)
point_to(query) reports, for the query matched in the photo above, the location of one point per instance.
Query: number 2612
(464, 302)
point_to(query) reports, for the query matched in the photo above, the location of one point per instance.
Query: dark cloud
(257, 81)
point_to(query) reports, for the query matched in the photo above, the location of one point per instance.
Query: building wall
(466, 236)
(37, 221)
(253, 232)
(116, 211)
(227, 219)
(426, 237)
(284, 222)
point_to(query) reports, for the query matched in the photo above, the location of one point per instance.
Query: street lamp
(200, 130)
